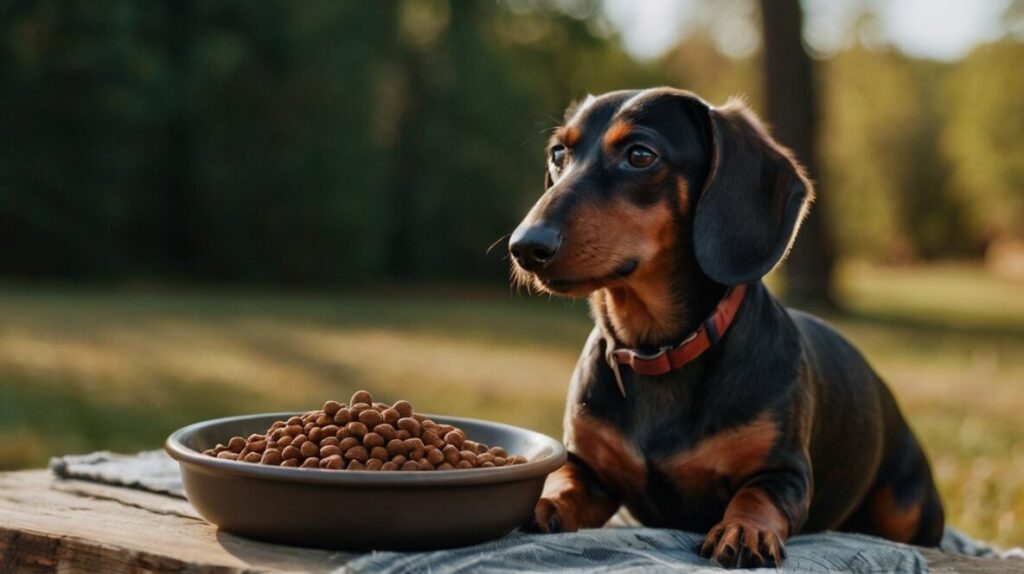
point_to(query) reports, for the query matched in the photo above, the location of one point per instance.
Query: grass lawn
(87, 370)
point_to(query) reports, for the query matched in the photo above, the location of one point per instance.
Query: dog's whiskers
(495, 244)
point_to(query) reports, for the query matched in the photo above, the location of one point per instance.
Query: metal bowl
(363, 510)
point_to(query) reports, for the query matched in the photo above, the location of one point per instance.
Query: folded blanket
(598, 550)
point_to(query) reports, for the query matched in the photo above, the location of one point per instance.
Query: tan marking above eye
(568, 135)
(616, 133)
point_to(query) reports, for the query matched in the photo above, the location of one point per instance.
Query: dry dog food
(364, 435)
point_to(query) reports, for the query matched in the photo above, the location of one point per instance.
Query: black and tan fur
(782, 427)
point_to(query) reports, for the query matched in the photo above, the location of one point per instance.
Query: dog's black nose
(535, 246)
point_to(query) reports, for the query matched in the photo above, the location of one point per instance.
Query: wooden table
(51, 525)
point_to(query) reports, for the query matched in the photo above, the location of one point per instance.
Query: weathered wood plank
(72, 526)
(69, 526)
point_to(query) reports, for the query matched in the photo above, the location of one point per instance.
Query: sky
(938, 29)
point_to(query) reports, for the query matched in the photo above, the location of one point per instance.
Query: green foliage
(984, 140)
(331, 142)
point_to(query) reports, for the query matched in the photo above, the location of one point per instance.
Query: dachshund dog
(699, 401)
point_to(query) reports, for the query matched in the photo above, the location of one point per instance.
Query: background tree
(791, 107)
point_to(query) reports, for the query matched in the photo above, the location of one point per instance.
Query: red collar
(669, 358)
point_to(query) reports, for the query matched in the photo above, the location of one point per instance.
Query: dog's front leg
(757, 521)
(573, 498)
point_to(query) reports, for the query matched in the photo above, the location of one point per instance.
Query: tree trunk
(792, 110)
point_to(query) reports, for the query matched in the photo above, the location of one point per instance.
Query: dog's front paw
(553, 515)
(735, 544)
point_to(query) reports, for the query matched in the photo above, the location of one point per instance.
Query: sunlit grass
(85, 370)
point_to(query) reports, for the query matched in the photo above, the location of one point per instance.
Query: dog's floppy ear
(753, 200)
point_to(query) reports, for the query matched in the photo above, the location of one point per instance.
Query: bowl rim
(554, 458)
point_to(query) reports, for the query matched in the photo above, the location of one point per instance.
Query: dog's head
(633, 176)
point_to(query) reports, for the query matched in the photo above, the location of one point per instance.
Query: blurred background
(212, 208)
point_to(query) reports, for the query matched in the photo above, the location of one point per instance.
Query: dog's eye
(558, 156)
(640, 157)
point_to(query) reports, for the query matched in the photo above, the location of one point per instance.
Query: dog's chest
(657, 462)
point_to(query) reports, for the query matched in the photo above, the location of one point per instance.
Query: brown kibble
(364, 435)
(331, 408)
(309, 449)
(356, 429)
(210, 452)
(343, 416)
(390, 415)
(271, 456)
(349, 443)
(357, 453)
(373, 439)
(236, 444)
(370, 418)
(361, 397)
(435, 457)
(386, 431)
(326, 451)
(410, 425)
(431, 437)
(332, 462)
(358, 409)
(404, 408)
(451, 454)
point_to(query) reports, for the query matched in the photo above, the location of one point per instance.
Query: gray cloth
(641, 550)
(150, 470)
(600, 550)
